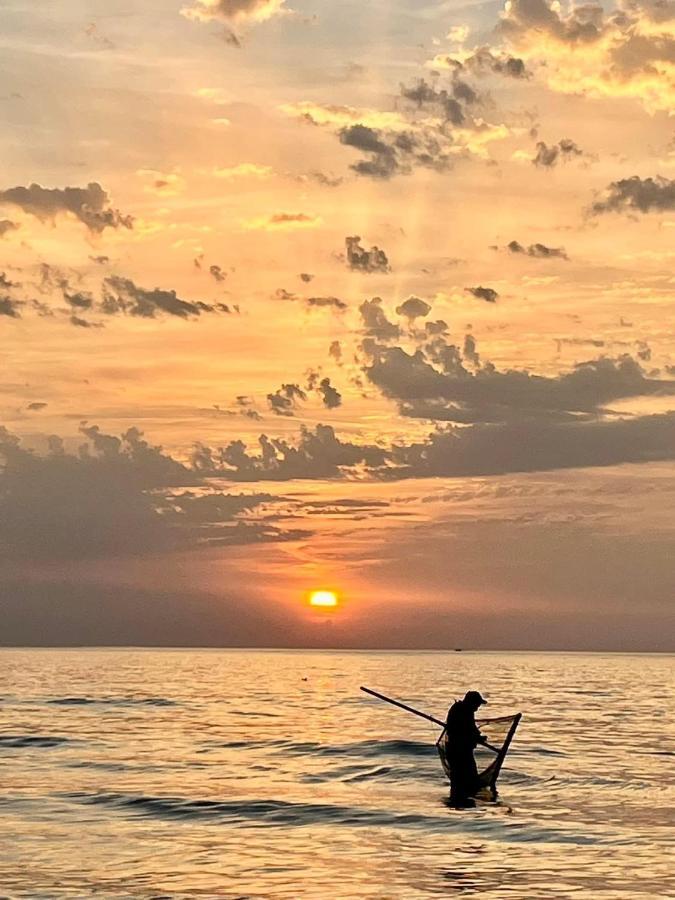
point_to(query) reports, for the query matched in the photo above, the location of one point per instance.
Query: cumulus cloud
(531, 446)
(91, 205)
(434, 382)
(330, 396)
(233, 12)
(283, 402)
(10, 308)
(548, 156)
(375, 322)
(217, 273)
(116, 496)
(361, 260)
(317, 453)
(330, 302)
(637, 194)
(483, 293)
(122, 295)
(413, 308)
(624, 53)
(538, 251)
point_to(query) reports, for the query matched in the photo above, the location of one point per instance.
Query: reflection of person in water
(463, 736)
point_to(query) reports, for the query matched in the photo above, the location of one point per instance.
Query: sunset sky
(374, 298)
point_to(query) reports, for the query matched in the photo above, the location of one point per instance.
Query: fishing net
(489, 759)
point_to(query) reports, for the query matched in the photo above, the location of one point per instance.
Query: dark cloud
(538, 251)
(306, 277)
(485, 61)
(100, 260)
(450, 102)
(284, 400)
(121, 295)
(361, 260)
(79, 299)
(91, 205)
(637, 194)
(531, 446)
(397, 153)
(330, 396)
(375, 322)
(436, 373)
(217, 273)
(413, 308)
(469, 351)
(335, 351)
(36, 406)
(584, 24)
(316, 454)
(116, 497)
(10, 308)
(6, 226)
(333, 302)
(546, 157)
(483, 293)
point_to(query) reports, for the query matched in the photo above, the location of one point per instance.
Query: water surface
(265, 774)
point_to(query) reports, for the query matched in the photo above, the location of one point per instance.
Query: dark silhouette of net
(498, 734)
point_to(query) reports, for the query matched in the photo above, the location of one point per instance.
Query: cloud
(637, 194)
(361, 260)
(546, 157)
(121, 295)
(335, 351)
(36, 406)
(625, 53)
(7, 226)
(483, 293)
(163, 184)
(413, 308)
(436, 382)
(234, 14)
(316, 454)
(306, 277)
(283, 222)
(330, 396)
(217, 273)
(91, 205)
(284, 400)
(333, 302)
(493, 449)
(538, 251)
(116, 497)
(10, 308)
(375, 322)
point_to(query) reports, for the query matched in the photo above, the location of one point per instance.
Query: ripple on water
(273, 813)
(23, 741)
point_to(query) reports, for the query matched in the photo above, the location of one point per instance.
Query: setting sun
(323, 599)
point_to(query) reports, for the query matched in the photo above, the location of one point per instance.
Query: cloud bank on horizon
(296, 298)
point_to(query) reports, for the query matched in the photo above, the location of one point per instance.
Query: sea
(146, 773)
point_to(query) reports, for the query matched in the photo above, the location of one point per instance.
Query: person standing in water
(463, 736)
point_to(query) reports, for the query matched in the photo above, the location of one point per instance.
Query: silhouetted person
(463, 736)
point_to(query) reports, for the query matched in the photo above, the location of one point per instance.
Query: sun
(323, 599)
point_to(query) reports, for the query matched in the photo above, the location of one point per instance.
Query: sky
(371, 298)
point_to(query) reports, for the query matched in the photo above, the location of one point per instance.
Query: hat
(475, 697)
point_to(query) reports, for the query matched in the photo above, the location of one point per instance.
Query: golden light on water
(323, 599)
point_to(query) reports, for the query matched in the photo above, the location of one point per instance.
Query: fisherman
(463, 737)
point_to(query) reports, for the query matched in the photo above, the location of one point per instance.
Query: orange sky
(425, 250)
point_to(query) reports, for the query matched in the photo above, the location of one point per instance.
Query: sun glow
(324, 599)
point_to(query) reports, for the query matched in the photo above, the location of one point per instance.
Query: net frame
(488, 775)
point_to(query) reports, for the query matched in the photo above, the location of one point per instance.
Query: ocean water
(261, 774)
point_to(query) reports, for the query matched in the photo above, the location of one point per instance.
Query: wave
(18, 741)
(363, 749)
(271, 813)
(111, 701)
